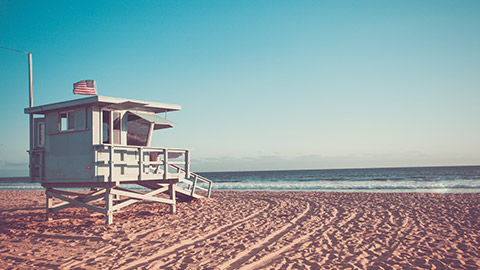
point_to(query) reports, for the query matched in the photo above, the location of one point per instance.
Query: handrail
(159, 164)
(144, 147)
(196, 176)
(199, 176)
(141, 161)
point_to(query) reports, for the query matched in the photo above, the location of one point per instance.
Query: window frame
(41, 135)
(111, 132)
(70, 121)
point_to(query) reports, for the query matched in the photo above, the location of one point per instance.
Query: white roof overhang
(159, 122)
(106, 102)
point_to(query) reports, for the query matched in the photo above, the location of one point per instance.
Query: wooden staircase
(197, 186)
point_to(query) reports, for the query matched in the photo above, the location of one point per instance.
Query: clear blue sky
(263, 84)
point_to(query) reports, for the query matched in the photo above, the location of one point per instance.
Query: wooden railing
(117, 163)
(192, 184)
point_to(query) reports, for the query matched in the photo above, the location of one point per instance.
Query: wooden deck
(160, 170)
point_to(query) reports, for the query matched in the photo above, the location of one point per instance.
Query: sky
(264, 85)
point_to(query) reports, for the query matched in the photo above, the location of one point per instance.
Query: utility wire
(13, 50)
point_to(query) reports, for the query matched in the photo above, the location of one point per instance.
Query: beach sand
(248, 230)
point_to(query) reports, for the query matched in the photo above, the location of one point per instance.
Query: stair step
(187, 192)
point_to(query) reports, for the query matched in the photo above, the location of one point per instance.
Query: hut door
(39, 133)
(37, 155)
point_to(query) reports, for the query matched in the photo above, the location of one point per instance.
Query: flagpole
(30, 79)
(30, 103)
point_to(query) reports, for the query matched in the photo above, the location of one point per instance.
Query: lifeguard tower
(102, 144)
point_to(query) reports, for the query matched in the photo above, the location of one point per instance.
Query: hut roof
(106, 102)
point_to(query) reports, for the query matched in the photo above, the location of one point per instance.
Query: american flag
(85, 87)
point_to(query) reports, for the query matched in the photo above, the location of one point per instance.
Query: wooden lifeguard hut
(102, 144)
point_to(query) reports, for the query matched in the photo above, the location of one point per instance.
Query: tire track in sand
(245, 255)
(269, 260)
(272, 256)
(396, 240)
(147, 261)
(119, 247)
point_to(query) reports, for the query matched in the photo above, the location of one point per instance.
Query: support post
(111, 152)
(48, 205)
(165, 164)
(209, 190)
(30, 102)
(108, 206)
(100, 125)
(187, 164)
(140, 163)
(194, 185)
(30, 152)
(150, 133)
(173, 206)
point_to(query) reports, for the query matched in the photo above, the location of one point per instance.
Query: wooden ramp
(195, 187)
(184, 194)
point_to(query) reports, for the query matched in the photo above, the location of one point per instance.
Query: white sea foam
(386, 186)
(437, 179)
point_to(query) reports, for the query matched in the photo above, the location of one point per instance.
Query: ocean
(461, 179)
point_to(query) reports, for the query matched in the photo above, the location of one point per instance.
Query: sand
(249, 230)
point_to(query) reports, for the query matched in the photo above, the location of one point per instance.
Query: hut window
(137, 131)
(117, 127)
(106, 127)
(41, 134)
(117, 124)
(66, 121)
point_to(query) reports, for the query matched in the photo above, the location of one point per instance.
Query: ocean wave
(23, 186)
(361, 186)
(440, 179)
